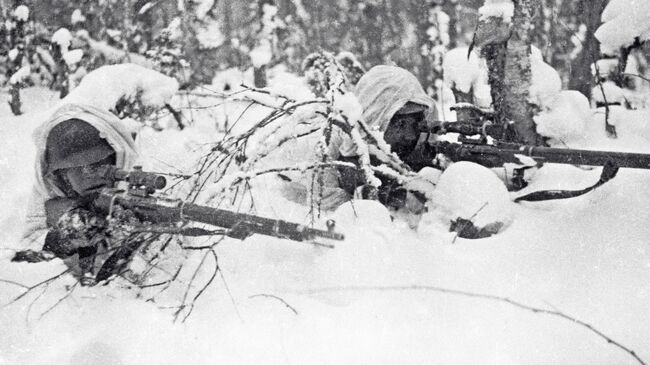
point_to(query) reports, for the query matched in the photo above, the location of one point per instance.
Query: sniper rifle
(140, 199)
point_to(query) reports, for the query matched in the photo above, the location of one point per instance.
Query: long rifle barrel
(497, 155)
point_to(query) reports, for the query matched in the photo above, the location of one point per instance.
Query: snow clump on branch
(624, 20)
(77, 17)
(503, 9)
(21, 13)
(63, 38)
(123, 81)
(21, 75)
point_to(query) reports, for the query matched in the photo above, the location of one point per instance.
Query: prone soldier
(61, 218)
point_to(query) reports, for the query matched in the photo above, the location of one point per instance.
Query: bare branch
(516, 304)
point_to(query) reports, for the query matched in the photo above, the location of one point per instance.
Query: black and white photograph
(325, 182)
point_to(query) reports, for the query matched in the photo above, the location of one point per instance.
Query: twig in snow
(277, 298)
(516, 304)
(66, 296)
(470, 221)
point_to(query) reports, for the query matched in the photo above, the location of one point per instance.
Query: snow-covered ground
(373, 299)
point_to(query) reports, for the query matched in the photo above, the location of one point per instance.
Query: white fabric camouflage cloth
(109, 126)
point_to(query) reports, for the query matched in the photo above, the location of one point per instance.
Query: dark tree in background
(409, 33)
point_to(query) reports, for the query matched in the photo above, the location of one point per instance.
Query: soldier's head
(72, 146)
(404, 128)
(394, 102)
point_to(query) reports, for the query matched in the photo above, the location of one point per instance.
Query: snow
(624, 20)
(115, 34)
(348, 105)
(227, 80)
(482, 95)
(459, 71)
(21, 75)
(63, 38)
(123, 80)
(609, 92)
(21, 13)
(13, 53)
(565, 120)
(203, 8)
(605, 66)
(210, 36)
(373, 295)
(503, 9)
(466, 74)
(77, 17)
(261, 55)
(73, 57)
(545, 82)
(471, 191)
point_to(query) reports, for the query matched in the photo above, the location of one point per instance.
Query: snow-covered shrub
(167, 54)
(352, 67)
(319, 69)
(472, 201)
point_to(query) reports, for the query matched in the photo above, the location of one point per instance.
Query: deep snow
(285, 302)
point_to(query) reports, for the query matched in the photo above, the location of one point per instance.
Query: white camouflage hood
(109, 127)
(384, 90)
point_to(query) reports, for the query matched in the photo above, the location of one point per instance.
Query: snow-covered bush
(166, 52)
(471, 200)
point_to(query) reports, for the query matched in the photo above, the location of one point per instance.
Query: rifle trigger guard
(112, 203)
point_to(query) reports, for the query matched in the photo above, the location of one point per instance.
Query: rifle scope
(136, 178)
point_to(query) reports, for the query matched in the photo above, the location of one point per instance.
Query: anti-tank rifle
(488, 144)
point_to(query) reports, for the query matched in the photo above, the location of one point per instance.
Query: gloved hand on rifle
(79, 231)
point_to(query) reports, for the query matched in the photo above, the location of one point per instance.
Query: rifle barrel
(584, 157)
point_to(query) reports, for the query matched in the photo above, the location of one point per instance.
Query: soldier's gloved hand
(75, 228)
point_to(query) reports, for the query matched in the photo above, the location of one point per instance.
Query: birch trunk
(517, 76)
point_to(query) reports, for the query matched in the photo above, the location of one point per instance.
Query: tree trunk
(517, 75)
(509, 76)
(259, 76)
(580, 77)
(14, 102)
